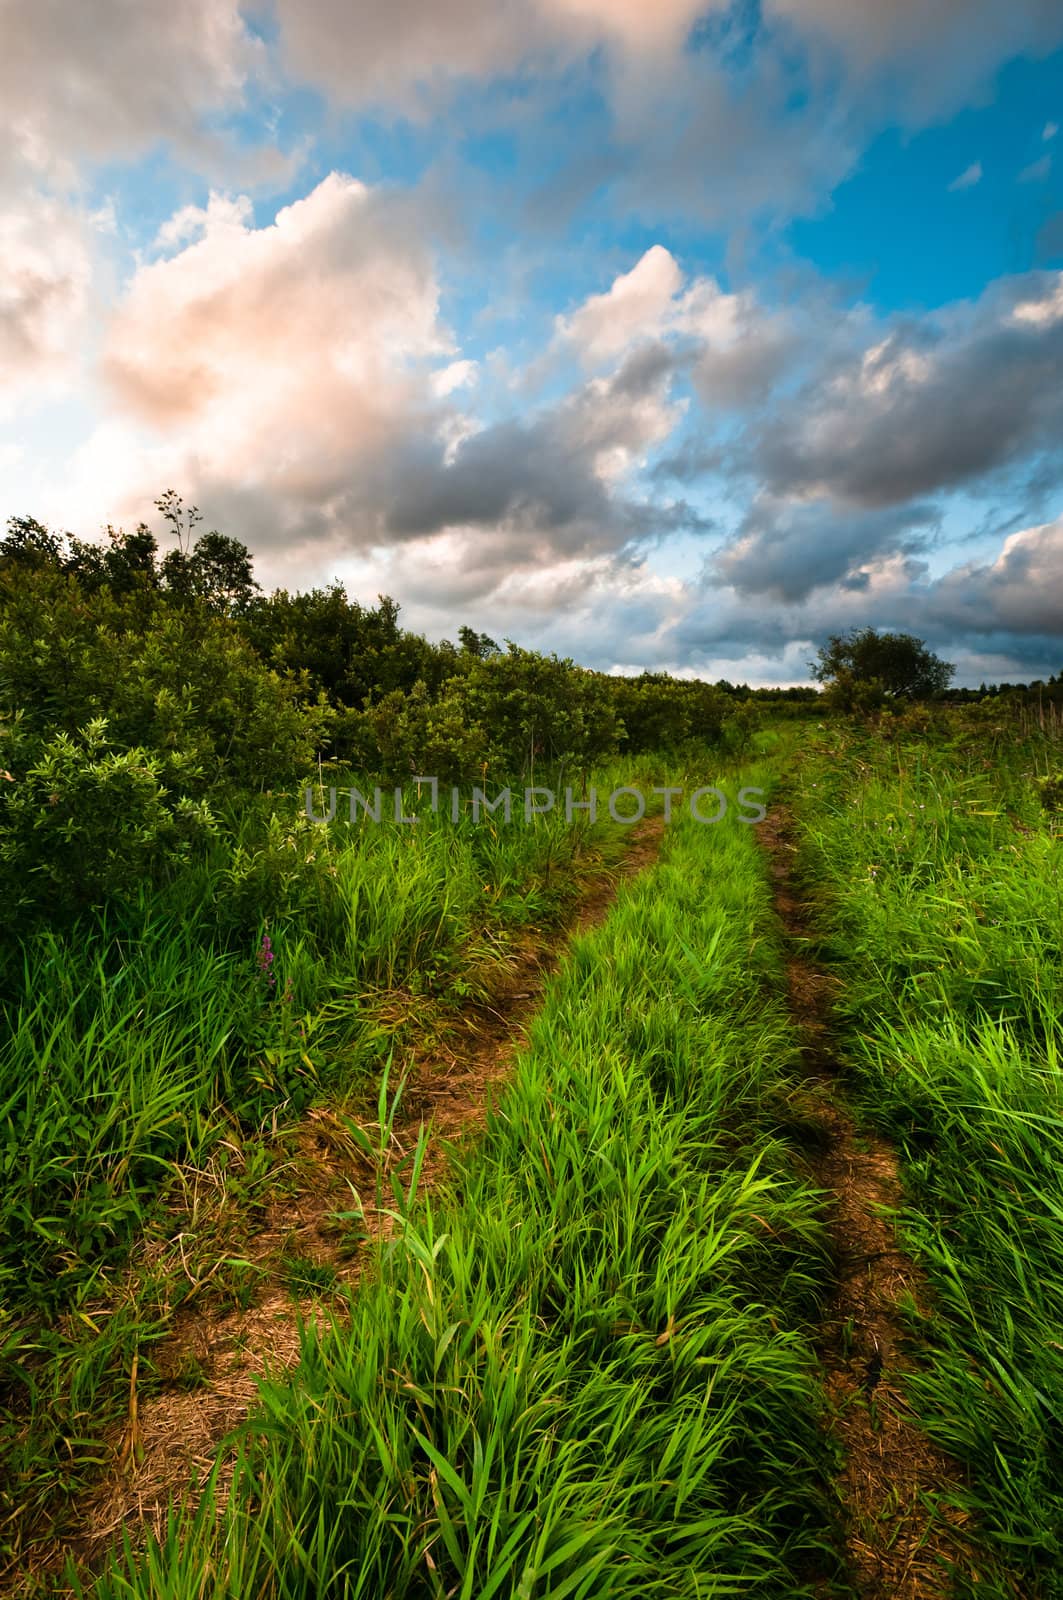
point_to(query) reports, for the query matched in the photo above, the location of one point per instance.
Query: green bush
(85, 822)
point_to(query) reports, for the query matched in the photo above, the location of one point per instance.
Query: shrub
(84, 823)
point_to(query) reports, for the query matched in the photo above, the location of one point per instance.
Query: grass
(168, 1037)
(938, 880)
(585, 1367)
(582, 1370)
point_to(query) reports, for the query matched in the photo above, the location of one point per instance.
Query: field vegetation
(580, 1353)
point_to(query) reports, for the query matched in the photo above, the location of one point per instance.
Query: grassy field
(581, 1370)
(284, 968)
(583, 1362)
(938, 878)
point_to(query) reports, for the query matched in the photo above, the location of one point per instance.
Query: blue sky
(672, 337)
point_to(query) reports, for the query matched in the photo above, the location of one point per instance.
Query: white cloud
(1020, 592)
(106, 79)
(735, 346)
(1049, 130)
(635, 306)
(968, 177)
(405, 53)
(1037, 171)
(44, 294)
(191, 222)
(264, 339)
(455, 376)
(296, 381)
(273, 367)
(1042, 309)
(636, 25)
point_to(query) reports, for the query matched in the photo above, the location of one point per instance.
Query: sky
(671, 336)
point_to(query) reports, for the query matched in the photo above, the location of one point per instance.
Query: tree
(127, 562)
(222, 573)
(30, 544)
(864, 665)
(476, 644)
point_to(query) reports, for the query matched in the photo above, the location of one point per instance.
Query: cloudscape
(673, 336)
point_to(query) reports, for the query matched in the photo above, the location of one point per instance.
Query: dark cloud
(692, 460)
(928, 408)
(543, 475)
(1021, 593)
(785, 550)
(1050, 238)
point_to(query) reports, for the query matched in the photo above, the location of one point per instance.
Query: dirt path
(447, 1090)
(900, 1538)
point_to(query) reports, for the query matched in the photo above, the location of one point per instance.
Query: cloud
(454, 376)
(270, 367)
(410, 54)
(636, 306)
(297, 382)
(733, 347)
(968, 177)
(1050, 237)
(945, 51)
(46, 250)
(553, 481)
(1019, 593)
(110, 79)
(1049, 130)
(929, 406)
(701, 142)
(260, 339)
(785, 550)
(997, 620)
(1037, 171)
(1001, 619)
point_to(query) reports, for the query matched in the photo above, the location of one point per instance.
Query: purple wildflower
(265, 961)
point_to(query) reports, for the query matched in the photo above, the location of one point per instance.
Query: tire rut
(447, 1089)
(903, 1535)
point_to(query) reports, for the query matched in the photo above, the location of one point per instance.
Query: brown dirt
(175, 1434)
(902, 1536)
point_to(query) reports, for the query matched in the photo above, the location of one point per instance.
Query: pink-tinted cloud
(110, 78)
(285, 354)
(45, 247)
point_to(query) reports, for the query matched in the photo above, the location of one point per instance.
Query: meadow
(578, 1368)
(495, 1157)
(583, 1360)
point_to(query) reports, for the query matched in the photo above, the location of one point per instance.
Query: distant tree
(127, 562)
(30, 544)
(865, 667)
(222, 573)
(476, 644)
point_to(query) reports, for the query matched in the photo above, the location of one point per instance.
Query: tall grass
(939, 884)
(581, 1371)
(260, 976)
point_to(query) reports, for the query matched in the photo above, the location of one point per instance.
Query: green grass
(938, 879)
(582, 1372)
(151, 1039)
